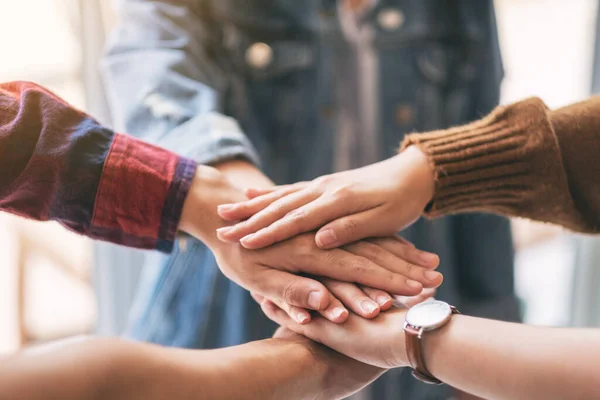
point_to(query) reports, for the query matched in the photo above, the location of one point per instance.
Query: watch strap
(414, 351)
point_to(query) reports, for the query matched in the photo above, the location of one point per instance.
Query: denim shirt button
(404, 114)
(259, 55)
(390, 19)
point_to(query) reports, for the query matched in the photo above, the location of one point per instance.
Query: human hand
(377, 200)
(274, 273)
(388, 264)
(379, 342)
(343, 375)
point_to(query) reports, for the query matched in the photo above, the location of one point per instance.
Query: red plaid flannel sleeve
(59, 164)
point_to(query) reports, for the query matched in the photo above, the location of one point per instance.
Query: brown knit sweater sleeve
(521, 160)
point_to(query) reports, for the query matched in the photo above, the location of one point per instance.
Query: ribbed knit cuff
(504, 163)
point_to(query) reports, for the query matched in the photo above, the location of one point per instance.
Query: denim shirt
(278, 83)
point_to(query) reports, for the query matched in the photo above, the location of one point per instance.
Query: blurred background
(55, 284)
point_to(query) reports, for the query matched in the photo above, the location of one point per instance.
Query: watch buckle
(425, 378)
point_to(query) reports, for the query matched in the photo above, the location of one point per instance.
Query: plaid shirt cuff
(140, 195)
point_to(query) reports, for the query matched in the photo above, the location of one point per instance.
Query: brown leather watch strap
(414, 351)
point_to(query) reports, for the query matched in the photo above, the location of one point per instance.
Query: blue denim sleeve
(163, 85)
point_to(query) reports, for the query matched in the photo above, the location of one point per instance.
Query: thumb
(298, 291)
(349, 229)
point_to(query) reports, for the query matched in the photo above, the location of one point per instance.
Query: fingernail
(225, 207)
(432, 275)
(314, 300)
(368, 306)
(301, 318)
(383, 300)
(224, 229)
(338, 312)
(429, 258)
(413, 284)
(247, 238)
(326, 238)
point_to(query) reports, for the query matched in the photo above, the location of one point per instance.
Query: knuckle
(292, 291)
(277, 208)
(393, 279)
(323, 181)
(370, 251)
(342, 192)
(296, 216)
(304, 245)
(357, 298)
(251, 280)
(409, 267)
(333, 260)
(295, 187)
(359, 268)
(306, 241)
(349, 225)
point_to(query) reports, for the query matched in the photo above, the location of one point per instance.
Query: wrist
(212, 187)
(301, 376)
(243, 174)
(316, 357)
(398, 350)
(323, 362)
(417, 164)
(435, 341)
(199, 216)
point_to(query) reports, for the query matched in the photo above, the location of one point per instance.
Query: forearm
(273, 369)
(74, 369)
(115, 369)
(498, 360)
(60, 164)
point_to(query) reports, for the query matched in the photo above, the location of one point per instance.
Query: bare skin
(288, 366)
(359, 275)
(489, 359)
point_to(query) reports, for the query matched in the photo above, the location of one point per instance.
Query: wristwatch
(424, 317)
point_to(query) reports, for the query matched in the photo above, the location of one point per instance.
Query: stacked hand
(379, 342)
(291, 271)
(296, 274)
(377, 200)
(344, 375)
(347, 207)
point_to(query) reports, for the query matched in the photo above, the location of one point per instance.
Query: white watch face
(429, 314)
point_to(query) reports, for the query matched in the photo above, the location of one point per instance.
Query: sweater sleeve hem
(507, 163)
